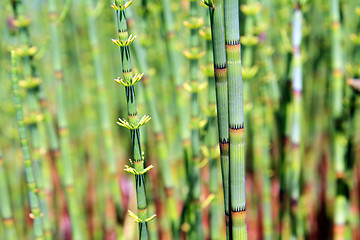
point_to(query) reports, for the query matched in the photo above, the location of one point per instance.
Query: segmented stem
(221, 86)
(193, 55)
(5, 206)
(236, 120)
(29, 173)
(341, 211)
(34, 114)
(136, 153)
(68, 174)
(140, 55)
(103, 111)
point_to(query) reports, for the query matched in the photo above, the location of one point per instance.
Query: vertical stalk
(181, 100)
(221, 85)
(211, 136)
(63, 131)
(236, 120)
(194, 86)
(31, 83)
(266, 179)
(5, 206)
(140, 55)
(29, 173)
(296, 143)
(261, 158)
(133, 123)
(104, 112)
(341, 208)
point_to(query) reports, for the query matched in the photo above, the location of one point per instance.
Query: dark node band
(224, 140)
(239, 209)
(220, 66)
(237, 126)
(232, 42)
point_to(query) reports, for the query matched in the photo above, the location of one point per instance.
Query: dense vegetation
(232, 119)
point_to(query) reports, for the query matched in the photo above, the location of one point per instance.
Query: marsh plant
(253, 131)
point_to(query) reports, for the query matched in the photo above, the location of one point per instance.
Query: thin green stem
(103, 111)
(138, 159)
(221, 85)
(236, 120)
(63, 131)
(5, 206)
(29, 173)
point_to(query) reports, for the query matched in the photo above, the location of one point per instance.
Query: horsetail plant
(31, 83)
(104, 112)
(140, 55)
(216, 11)
(5, 206)
(236, 120)
(266, 180)
(261, 158)
(146, 102)
(341, 208)
(211, 137)
(63, 131)
(194, 87)
(35, 213)
(266, 52)
(133, 123)
(181, 100)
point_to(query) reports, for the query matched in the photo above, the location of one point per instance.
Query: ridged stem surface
(236, 120)
(136, 153)
(221, 86)
(140, 54)
(211, 135)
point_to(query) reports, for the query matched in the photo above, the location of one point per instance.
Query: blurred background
(66, 180)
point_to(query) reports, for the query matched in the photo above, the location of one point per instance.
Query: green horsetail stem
(194, 87)
(5, 206)
(32, 85)
(133, 123)
(249, 70)
(266, 178)
(68, 175)
(266, 52)
(268, 104)
(296, 143)
(211, 137)
(104, 112)
(261, 156)
(285, 113)
(341, 209)
(236, 120)
(35, 214)
(140, 55)
(181, 100)
(145, 101)
(221, 85)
